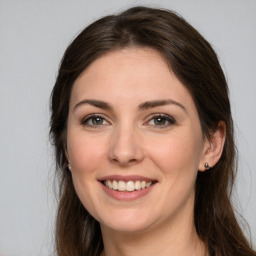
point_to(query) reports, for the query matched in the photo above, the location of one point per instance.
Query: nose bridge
(125, 146)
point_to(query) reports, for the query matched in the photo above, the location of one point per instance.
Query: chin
(128, 221)
(126, 227)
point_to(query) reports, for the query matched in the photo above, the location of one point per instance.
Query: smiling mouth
(128, 186)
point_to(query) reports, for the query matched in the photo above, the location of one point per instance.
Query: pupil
(97, 120)
(159, 121)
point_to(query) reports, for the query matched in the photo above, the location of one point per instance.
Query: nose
(125, 147)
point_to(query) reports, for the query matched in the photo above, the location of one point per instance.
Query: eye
(94, 120)
(161, 121)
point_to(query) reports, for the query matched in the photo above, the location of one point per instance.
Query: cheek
(177, 159)
(86, 153)
(177, 154)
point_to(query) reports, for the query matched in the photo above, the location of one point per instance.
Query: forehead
(131, 74)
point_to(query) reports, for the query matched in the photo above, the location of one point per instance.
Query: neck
(177, 238)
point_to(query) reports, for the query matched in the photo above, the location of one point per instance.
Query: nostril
(132, 160)
(125, 161)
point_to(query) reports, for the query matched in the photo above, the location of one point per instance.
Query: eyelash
(169, 119)
(85, 121)
(166, 118)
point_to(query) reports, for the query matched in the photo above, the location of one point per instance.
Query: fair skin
(131, 120)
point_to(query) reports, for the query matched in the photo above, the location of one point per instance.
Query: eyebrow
(95, 103)
(157, 103)
(143, 106)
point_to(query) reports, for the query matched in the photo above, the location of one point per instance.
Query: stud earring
(69, 167)
(206, 165)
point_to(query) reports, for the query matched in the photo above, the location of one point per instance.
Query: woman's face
(134, 141)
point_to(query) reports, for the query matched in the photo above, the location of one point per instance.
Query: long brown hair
(196, 65)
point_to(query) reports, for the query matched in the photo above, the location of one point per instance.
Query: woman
(143, 136)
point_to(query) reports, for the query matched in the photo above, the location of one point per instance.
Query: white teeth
(121, 185)
(130, 186)
(127, 186)
(137, 185)
(114, 185)
(148, 184)
(109, 184)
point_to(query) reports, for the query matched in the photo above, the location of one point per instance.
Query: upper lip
(126, 178)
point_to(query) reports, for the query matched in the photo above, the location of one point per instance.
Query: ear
(213, 147)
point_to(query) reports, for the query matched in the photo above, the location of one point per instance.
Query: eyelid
(85, 119)
(170, 119)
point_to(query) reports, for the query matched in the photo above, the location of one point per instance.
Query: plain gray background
(33, 37)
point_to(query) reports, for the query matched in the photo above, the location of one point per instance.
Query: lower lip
(126, 195)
